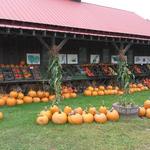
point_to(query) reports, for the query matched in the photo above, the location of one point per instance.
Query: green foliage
(54, 75)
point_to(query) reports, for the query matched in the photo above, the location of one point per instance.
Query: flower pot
(126, 110)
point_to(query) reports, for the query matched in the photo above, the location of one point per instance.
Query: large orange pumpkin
(13, 94)
(59, 118)
(28, 99)
(88, 118)
(42, 120)
(141, 112)
(112, 115)
(32, 93)
(44, 99)
(11, 101)
(147, 104)
(75, 119)
(100, 93)
(2, 102)
(94, 93)
(36, 99)
(100, 118)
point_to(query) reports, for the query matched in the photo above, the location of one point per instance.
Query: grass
(18, 131)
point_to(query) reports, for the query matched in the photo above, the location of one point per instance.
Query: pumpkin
(5, 97)
(103, 110)
(148, 113)
(90, 88)
(47, 113)
(147, 104)
(94, 93)
(75, 119)
(1, 116)
(73, 95)
(96, 89)
(59, 118)
(42, 120)
(100, 93)
(112, 115)
(11, 101)
(65, 90)
(109, 87)
(54, 109)
(88, 118)
(78, 110)
(52, 97)
(28, 99)
(20, 101)
(46, 94)
(100, 118)
(101, 88)
(44, 99)
(32, 93)
(2, 102)
(67, 110)
(13, 94)
(40, 94)
(66, 95)
(36, 99)
(87, 93)
(92, 110)
(141, 112)
(20, 95)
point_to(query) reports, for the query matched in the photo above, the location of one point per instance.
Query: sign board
(94, 58)
(141, 60)
(115, 59)
(72, 58)
(62, 58)
(33, 58)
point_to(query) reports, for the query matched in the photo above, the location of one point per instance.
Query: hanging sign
(62, 58)
(72, 58)
(33, 58)
(94, 58)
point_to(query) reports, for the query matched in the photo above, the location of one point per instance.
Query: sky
(140, 7)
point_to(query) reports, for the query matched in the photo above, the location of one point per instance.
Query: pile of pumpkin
(145, 110)
(110, 90)
(76, 116)
(18, 98)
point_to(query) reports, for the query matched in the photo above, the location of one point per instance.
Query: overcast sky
(141, 7)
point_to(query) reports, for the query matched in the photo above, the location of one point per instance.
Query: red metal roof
(68, 13)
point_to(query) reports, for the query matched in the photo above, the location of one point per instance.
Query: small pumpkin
(40, 94)
(78, 110)
(59, 118)
(36, 99)
(20, 101)
(100, 118)
(87, 92)
(54, 109)
(46, 94)
(2, 102)
(73, 95)
(11, 101)
(13, 94)
(92, 110)
(67, 110)
(20, 95)
(66, 95)
(42, 120)
(52, 97)
(1, 116)
(44, 99)
(32, 93)
(47, 113)
(28, 99)
(148, 113)
(141, 112)
(88, 118)
(147, 104)
(103, 109)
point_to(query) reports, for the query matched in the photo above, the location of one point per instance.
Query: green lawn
(18, 131)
